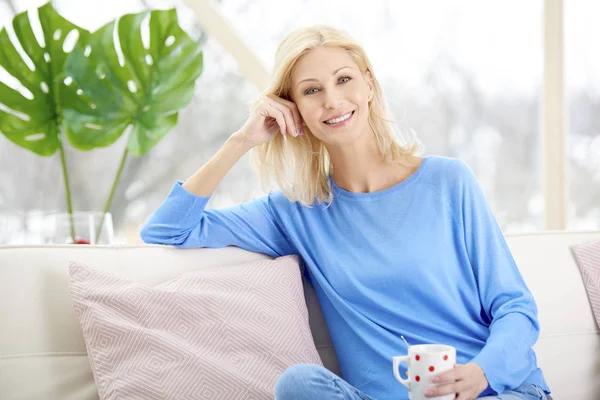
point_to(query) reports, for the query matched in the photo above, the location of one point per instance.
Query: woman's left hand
(467, 381)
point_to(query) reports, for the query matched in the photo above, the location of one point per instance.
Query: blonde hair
(300, 167)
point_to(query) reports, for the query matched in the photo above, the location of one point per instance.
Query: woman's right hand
(269, 117)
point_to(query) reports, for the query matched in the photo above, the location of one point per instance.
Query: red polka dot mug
(424, 362)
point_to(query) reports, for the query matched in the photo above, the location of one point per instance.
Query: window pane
(452, 71)
(583, 96)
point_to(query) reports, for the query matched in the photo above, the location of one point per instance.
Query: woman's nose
(333, 103)
(333, 99)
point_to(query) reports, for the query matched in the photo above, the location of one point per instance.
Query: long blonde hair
(300, 167)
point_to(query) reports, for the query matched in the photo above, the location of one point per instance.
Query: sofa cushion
(588, 258)
(218, 333)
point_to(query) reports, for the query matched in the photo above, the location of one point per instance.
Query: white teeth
(340, 119)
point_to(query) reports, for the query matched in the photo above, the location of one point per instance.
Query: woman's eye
(343, 79)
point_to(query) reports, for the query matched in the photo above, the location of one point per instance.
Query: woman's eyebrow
(313, 79)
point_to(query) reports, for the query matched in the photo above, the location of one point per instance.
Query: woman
(395, 244)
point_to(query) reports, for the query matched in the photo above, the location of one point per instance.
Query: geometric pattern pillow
(219, 333)
(588, 258)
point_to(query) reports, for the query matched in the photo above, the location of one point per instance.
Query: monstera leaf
(134, 73)
(28, 112)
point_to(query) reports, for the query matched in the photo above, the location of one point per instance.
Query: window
(582, 64)
(466, 75)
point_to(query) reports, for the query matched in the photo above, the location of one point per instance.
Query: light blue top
(424, 259)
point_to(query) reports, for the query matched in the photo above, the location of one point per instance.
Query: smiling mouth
(339, 120)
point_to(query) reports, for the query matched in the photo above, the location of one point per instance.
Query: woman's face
(332, 95)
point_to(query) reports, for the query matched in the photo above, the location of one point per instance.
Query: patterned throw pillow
(588, 258)
(219, 333)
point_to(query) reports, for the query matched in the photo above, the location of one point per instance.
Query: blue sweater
(424, 259)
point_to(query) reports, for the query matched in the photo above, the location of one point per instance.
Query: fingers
(462, 380)
(279, 117)
(290, 111)
(449, 376)
(456, 387)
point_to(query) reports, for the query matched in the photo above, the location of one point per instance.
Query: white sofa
(42, 352)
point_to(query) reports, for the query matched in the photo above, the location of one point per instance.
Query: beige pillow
(221, 333)
(588, 258)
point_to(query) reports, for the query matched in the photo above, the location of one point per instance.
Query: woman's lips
(344, 122)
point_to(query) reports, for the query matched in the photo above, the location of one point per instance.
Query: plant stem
(63, 163)
(112, 192)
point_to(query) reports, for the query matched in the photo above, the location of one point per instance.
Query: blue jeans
(313, 382)
(526, 391)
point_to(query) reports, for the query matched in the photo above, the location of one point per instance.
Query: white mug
(424, 362)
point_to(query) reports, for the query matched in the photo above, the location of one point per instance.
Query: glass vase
(85, 225)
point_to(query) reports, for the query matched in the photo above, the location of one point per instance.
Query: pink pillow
(588, 258)
(219, 333)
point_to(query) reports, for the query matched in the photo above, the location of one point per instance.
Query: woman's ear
(369, 79)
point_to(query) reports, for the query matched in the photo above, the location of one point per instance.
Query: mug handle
(397, 361)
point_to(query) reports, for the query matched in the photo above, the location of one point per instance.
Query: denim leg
(313, 382)
(526, 391)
